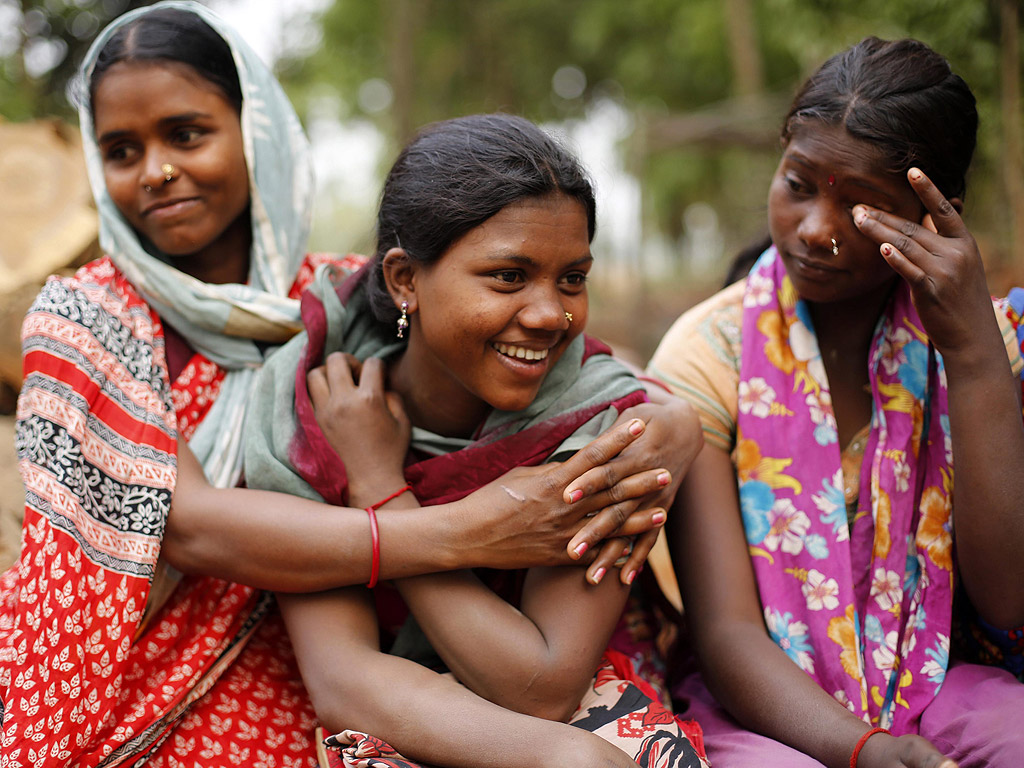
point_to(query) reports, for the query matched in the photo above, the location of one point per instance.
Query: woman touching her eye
(135, 624)
(861, 488)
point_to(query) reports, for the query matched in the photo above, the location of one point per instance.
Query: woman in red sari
(130, 630)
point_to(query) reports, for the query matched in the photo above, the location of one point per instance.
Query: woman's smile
(490, 318)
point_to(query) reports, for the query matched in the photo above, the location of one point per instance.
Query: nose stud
(835, 247)
(168, 171)
(568, 316)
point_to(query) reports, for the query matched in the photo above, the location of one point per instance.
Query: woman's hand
(671, 441)
(366, 425)
(884, 751)
(940, 261)
(527, 516)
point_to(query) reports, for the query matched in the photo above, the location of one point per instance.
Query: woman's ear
(399, 272)
(928, 223)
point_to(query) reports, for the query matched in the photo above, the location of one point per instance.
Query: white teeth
(522, 353)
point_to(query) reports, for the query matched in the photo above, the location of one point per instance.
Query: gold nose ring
(568, 316)
(168, 171)
(835, 247)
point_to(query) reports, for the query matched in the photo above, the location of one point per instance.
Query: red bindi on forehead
(831, 179)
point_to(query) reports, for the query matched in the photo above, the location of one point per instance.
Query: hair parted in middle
(456, 174)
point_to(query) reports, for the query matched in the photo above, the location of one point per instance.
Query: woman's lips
(170, 208)
(813, 270)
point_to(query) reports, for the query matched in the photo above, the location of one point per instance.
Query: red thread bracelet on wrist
(375, 534)
(864, 740)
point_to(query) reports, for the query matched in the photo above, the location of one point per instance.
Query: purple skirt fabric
(976, 719)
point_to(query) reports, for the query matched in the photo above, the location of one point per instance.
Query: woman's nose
(819, 226)
(153, 171)
(543, 310)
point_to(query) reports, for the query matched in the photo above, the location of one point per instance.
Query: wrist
(862, 742)
(370, 489)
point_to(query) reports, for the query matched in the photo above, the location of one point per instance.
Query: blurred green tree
(708, 81)
(41, 44)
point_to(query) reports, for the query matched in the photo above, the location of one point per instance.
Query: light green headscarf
(224, 322)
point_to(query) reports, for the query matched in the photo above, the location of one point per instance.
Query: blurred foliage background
(684, 96)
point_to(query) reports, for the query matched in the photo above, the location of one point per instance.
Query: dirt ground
(11, 495)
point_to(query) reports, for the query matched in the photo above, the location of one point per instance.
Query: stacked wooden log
(47, 224)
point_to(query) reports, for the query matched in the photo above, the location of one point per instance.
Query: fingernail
(886, 249)
(575, 495)
(915, 174)
(859, 214)
(630, 576)
(626, 552)
(581, 548)
(658, 518)
(598, 575)
(636, 427)
(664, 478)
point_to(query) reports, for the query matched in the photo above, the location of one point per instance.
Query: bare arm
(548, 648)
(423, 715)
(941, 262)
(745, 670)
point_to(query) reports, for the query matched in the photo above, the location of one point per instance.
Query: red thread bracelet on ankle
(860, 744)
(375, 534)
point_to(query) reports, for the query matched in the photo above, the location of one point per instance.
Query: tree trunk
(744, 52)
(1013, 160)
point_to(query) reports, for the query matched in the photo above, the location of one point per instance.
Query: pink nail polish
(636, 427)
(598, 575)
(658, 518)
(581, 548)
(664, 478)
(575, 496)
(630, 577)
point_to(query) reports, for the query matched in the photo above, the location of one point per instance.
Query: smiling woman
(480, 272)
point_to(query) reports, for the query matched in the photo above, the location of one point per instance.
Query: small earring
(147, 187)
(568, 316)
(403, 321)
(835, 247)
(168, 171)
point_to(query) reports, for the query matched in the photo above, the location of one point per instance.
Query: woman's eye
(186, 135)
(795, 185)
(119, 153)
(508, 276)
(576, 279)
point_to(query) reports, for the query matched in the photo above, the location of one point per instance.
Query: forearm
(289, 544)
(766, 692)
(425, 716)
(988, 513)
(548, 650)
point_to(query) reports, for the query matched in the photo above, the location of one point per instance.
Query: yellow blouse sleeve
(698, 359)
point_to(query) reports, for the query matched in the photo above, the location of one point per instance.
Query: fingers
(918, 752)
(944, 215)
(613, 520)
(642, 547)
(596, 453)
(610, 553)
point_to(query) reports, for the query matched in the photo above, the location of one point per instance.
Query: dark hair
(171, 34)
(902, 97)
(457, 174)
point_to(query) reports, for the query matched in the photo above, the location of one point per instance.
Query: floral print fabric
(620, 706)
(878, 641)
